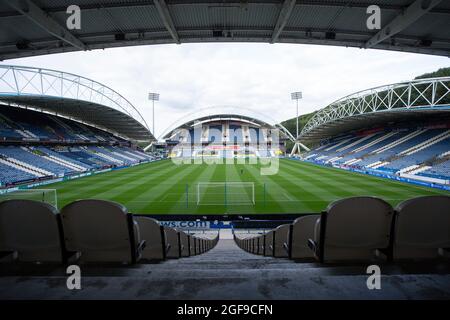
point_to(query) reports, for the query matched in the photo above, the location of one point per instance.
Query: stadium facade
(334, 251)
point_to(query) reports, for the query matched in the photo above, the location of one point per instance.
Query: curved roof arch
(379, 105)
(35, 27)
(74, 97)
(222, 113)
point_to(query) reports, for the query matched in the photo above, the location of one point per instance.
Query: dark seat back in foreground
(185, 244)
(154, 236)
(268, 244)
(30, 231)
(422, 228)
(280, 236)
(173, 242)
(101, 231)
(352, 229)
(301, 230)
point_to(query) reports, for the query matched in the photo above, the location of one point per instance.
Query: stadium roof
(223, 113)
(73, 97)
(36, 27)
(380, 106)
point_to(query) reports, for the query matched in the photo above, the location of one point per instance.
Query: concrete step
(227, 272)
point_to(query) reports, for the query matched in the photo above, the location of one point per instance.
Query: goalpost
(44, 195)
(225, 193)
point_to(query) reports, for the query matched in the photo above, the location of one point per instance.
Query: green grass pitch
(298, 187)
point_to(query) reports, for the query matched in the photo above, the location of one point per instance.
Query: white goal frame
(225, 185)
(16, 194)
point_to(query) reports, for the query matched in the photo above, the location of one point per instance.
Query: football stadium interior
(222, 206)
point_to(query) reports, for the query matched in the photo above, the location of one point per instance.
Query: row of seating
(89, 231)
(362, 229)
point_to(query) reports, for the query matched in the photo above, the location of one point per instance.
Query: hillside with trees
(443, 72)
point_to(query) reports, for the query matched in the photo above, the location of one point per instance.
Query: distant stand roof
(413, 101)
(29, 28)
(74, 97)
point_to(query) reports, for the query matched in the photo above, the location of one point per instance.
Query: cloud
(255, 76)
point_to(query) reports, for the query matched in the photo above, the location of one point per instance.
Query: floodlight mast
(153, 97)
(296, 96)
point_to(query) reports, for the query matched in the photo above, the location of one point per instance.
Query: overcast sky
(252, 76)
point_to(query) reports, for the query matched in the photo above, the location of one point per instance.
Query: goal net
(44, 195)
(225, 193)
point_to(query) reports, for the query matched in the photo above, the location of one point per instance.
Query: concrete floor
(227, 272)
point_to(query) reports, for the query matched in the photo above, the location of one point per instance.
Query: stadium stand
(416, 151)
(10, 174)
(36, 146)
(225, 136)
(406, 140)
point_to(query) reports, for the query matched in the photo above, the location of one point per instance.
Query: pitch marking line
(289, 198)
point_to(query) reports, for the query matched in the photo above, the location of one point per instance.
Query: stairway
(205, 134)
(225, 272)
(334, 159)
(62, 124)
(377, 164)
(337, 145)
(426, 144)
(414, 169)
(24, 167)
(104, 156)
(352, 161)
(355, 143)
(374, 142)
(26, 134)
(64, 163)
(399, 141)
(419, 169)
(135, 155)
(123, 156)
